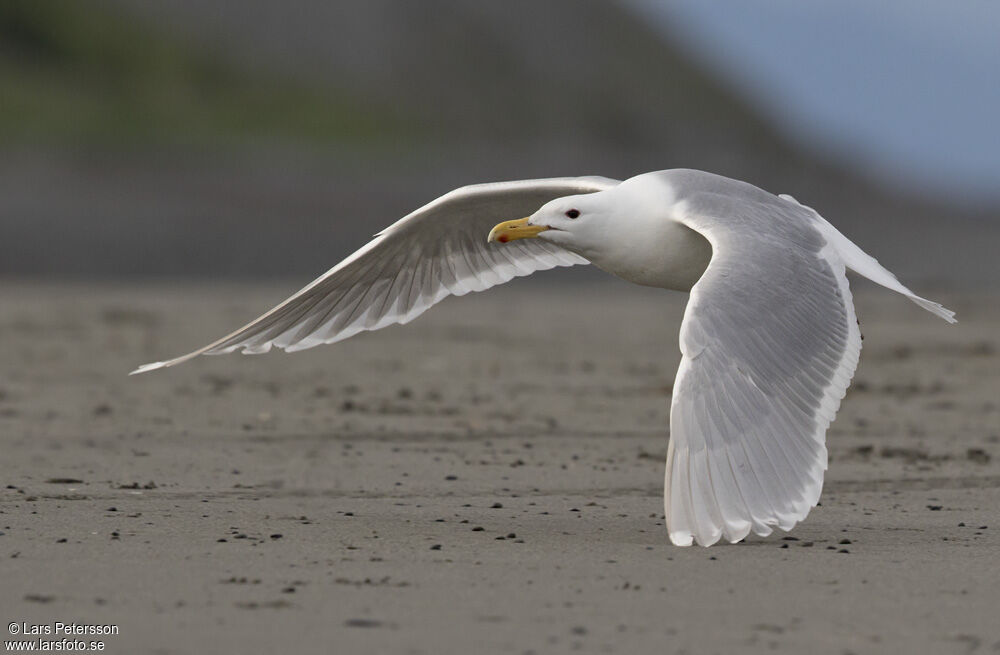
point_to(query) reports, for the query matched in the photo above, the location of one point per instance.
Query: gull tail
(864, 264)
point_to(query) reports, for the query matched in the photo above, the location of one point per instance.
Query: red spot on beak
(503, 239)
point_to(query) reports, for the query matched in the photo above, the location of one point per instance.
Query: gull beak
(513, 230)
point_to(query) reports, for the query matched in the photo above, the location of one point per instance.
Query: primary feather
(436, 251)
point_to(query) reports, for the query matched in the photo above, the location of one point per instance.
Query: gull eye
(573, 213)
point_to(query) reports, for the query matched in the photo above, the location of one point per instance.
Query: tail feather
(934, 308)
(864, 264)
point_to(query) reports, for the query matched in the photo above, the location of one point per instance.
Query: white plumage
(770, 340)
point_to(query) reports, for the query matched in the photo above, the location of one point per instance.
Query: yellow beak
(513, 230)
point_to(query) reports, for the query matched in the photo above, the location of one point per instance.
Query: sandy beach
(487, 479)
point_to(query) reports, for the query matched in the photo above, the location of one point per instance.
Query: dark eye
(572, 213)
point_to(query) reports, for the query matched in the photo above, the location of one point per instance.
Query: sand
(487, 479)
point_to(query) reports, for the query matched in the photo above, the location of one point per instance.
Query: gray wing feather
(770, 342)
(436, 251)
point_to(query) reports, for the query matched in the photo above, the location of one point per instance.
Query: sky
(907, 90)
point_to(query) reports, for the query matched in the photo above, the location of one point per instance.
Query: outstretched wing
(436, 251)
(770, 343)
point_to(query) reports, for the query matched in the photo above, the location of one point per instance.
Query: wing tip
(145, 368)
(736, 529)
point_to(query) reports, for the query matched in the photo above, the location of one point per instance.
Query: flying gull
(770, 340)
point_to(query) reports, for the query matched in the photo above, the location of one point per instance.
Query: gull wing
(436, 251)
(770, 342)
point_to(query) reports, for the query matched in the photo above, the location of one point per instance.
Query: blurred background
(224, 139)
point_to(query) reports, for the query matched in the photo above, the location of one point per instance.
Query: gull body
(770, 339)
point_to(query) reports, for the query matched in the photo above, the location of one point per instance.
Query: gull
(769, 338)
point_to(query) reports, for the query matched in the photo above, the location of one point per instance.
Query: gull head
(632, 231)
(579, 223)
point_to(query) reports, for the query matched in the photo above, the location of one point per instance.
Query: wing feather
(770, 342)
(436, 251)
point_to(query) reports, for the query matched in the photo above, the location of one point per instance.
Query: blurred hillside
(260, 138)
(81, 75)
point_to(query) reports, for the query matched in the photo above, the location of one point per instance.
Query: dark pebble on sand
(844, 541)
(362, 623)
(436, 547)
(496, 506)
(451, 477)
(843, 550)
(277, 535)
(477, 529)
(978, 455)
(934, 508)
(61, 541)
